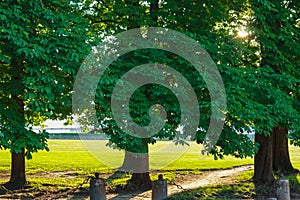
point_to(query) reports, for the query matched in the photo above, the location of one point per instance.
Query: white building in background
(52, 126)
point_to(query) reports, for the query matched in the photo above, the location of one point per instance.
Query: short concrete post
(159, 188)
(283, 189)
(97, 188)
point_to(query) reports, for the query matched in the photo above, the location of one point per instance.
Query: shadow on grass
(121, 184)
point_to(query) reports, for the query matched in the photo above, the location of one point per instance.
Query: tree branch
(42, 4)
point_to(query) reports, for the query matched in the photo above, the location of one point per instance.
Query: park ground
(62, 173)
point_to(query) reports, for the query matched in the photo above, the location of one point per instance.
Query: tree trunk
(17, 177)
(135, 162)
(263, 162)
(138, 164)
(281, 157)
(141, 180)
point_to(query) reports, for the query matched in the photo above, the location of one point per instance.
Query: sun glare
(242, 33)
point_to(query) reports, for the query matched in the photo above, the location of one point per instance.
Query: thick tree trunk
(141, 180)
(138, 164)
(263, 160)
(17, 178)
(281, 156)
(135, 162)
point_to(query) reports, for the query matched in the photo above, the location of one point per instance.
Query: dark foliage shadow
(294, 186)
(263, 191)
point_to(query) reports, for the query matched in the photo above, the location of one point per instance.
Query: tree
(262, 92)
(116, 17)
(262, 83)
(42, 44)
(258, 96)
(275, 25)
(175, 15)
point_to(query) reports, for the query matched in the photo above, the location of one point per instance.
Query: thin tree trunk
(263, 160)
(281, 156)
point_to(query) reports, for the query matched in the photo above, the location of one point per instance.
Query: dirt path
(191, 181)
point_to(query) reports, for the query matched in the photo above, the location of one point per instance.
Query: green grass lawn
(72, 155)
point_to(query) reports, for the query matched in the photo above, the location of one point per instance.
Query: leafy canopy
(42, 44)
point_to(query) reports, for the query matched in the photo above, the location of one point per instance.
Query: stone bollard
(97, 188)
(159, 188)
(283, 189)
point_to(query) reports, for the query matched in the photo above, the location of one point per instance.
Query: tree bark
(138, 165)
(17, 177)
(141, 180)
(263, 160)
(281, 157)
(135, 162)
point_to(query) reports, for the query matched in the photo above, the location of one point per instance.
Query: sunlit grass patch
(71, 155)
(295, 156)
(52, 184)
(247, 175)
(226, 191)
